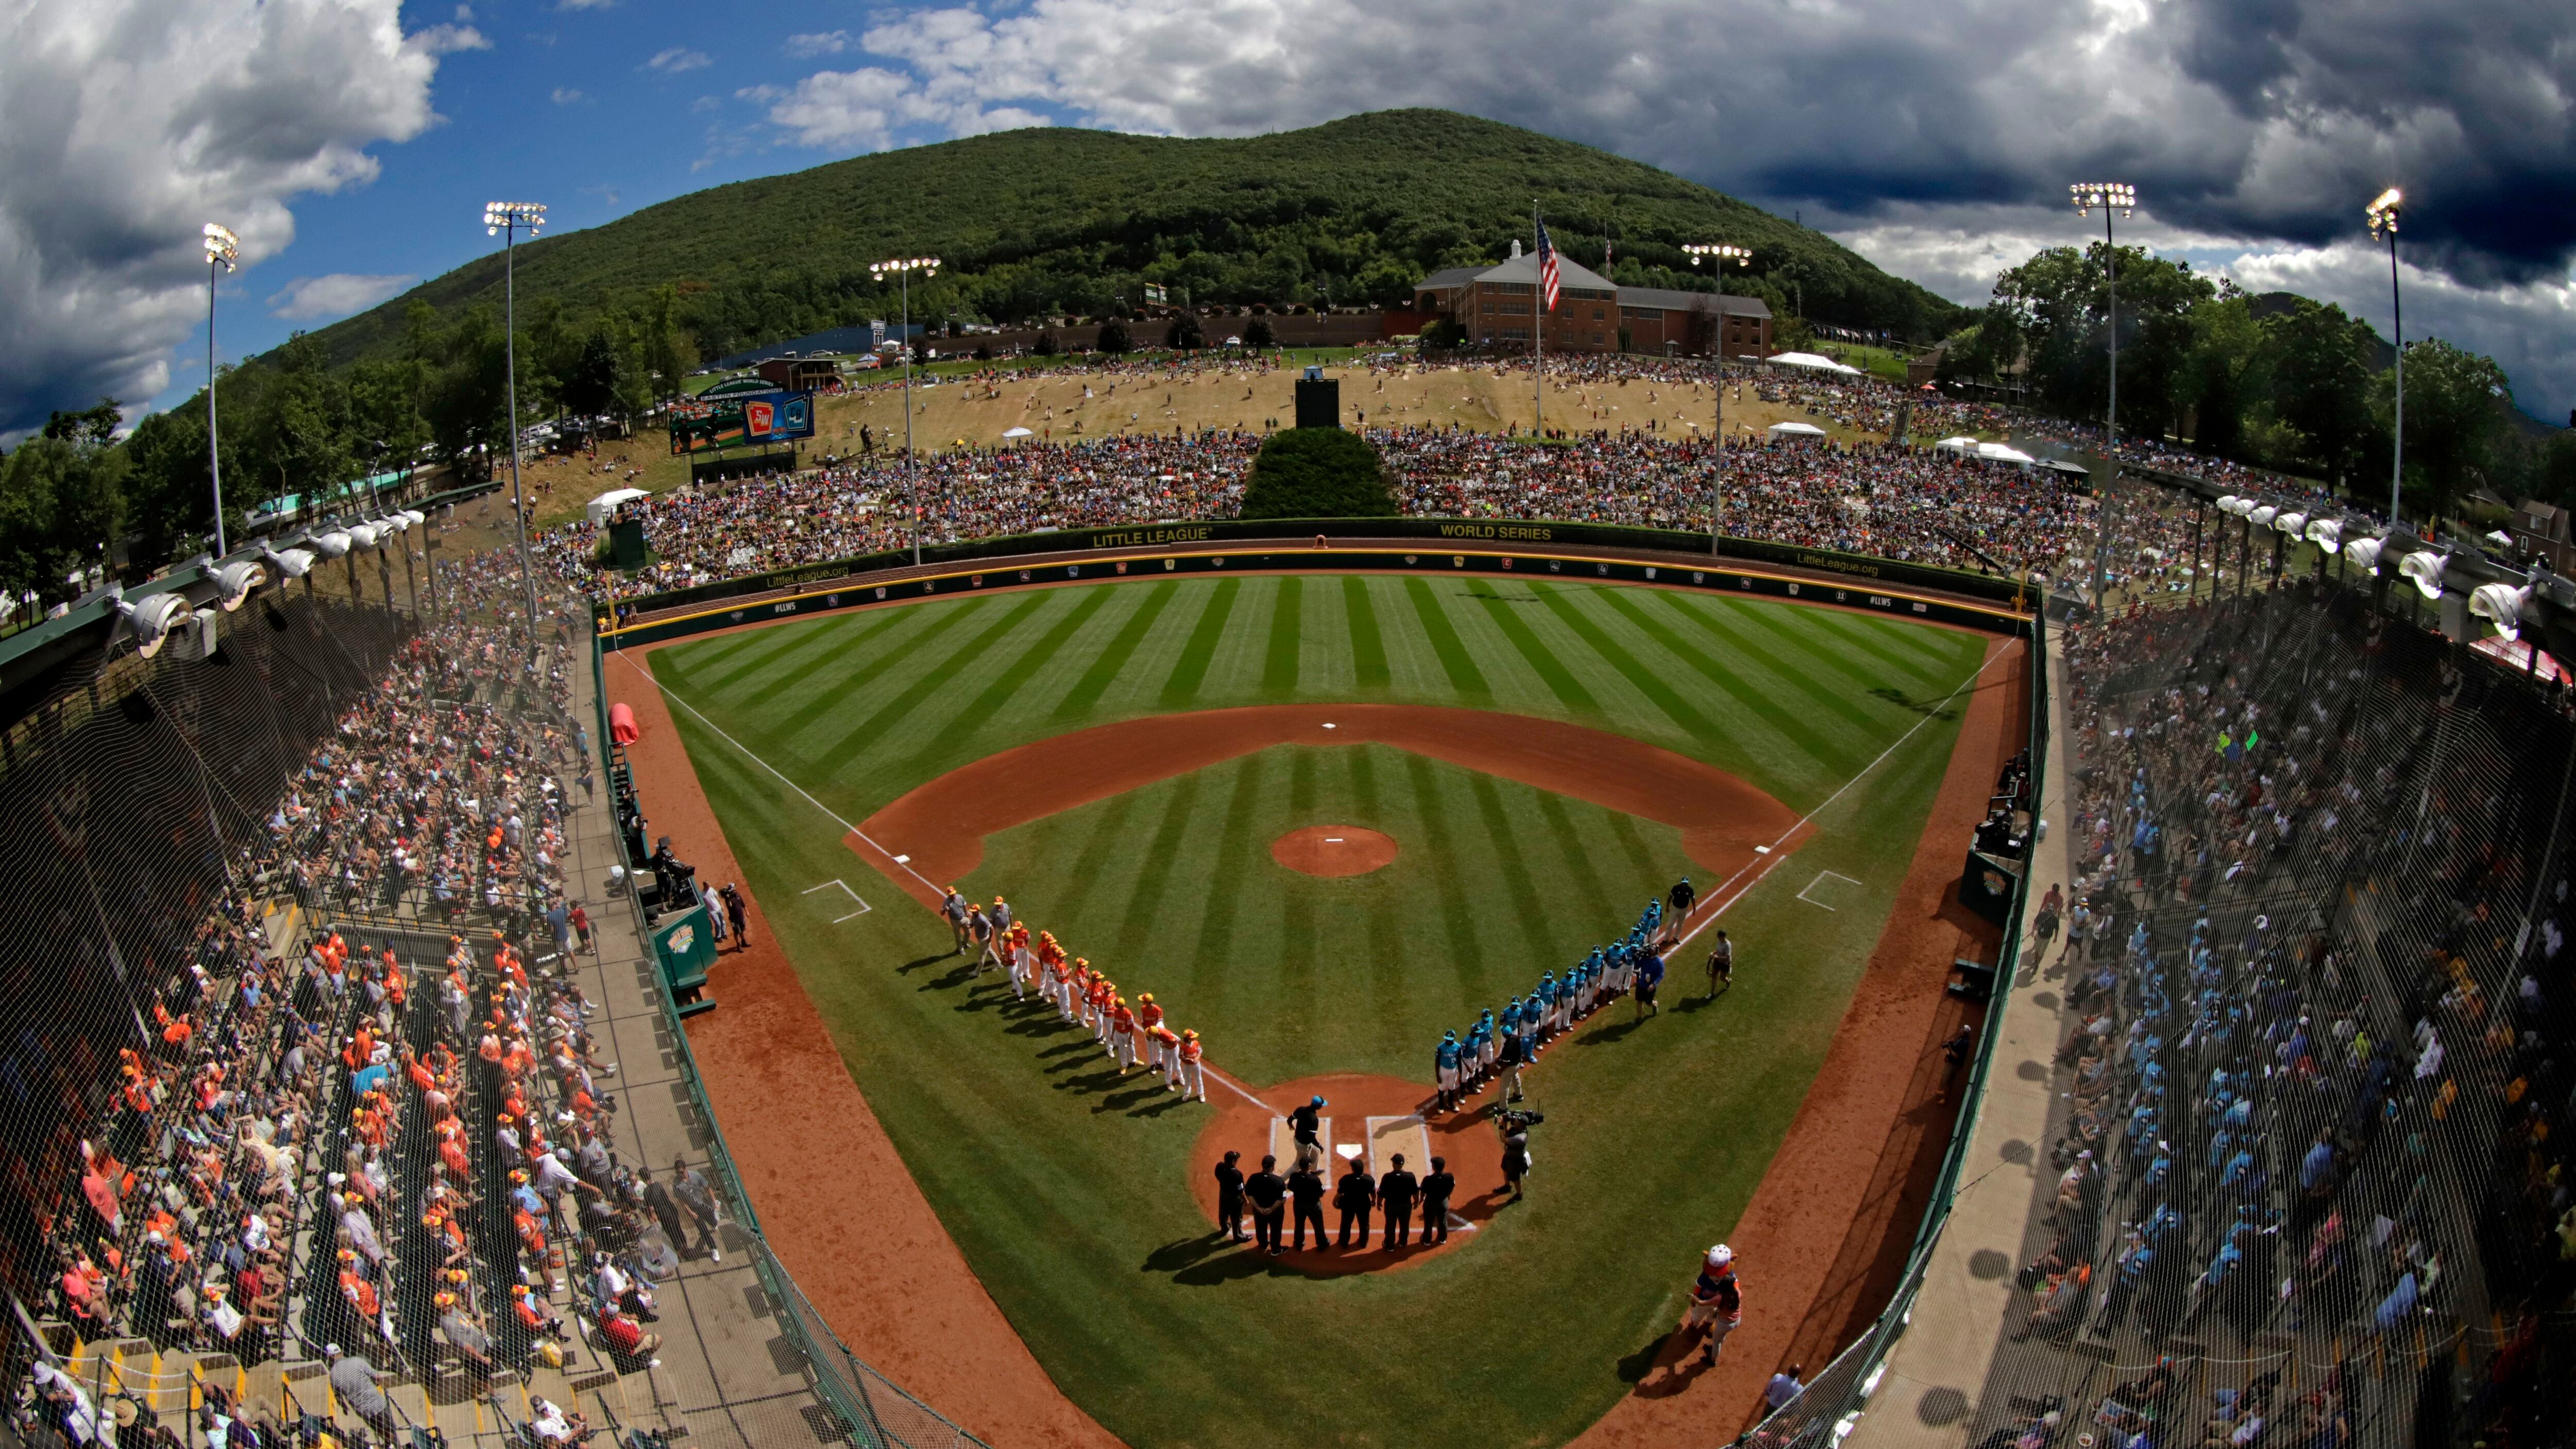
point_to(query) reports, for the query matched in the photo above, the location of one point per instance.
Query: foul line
(1770, 855)
(782, 779)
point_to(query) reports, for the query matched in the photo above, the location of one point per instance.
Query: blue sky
(353, 142)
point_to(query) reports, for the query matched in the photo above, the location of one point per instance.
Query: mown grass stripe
(941, 674)
(836, 692)
(1455, 661)
(1587, 882)
(1798, 675)
(1681, 711)
(1862, 640)
(1790, 627)
(1103, 672)
(1234, 860)
(1368, 647)
(1011, 678)
(1440, 839)
(1190, 670)
(1287, 623)
(1569, 691)
(1144, 912)
(791, 643)
(1519, 886)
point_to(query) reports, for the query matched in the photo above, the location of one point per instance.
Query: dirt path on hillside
(1822, 1242)
(941, 825)
(834, 1198)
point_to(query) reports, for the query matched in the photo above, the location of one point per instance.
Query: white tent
(1795, 430)
(1018, 433)
(1998, 453)
(1960, 444)
(609, 502)
(1811, 360)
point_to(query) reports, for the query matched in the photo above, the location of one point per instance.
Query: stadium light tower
(1742, 257)
(2121, 197)
(2383, 218)
(902, 269)
(506, 219)
(223, 253)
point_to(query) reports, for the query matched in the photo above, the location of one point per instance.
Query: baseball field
(1120, 760)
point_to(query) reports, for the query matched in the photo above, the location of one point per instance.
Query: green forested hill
(1061, 220)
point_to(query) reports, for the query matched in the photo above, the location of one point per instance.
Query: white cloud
(704, 104)
(127, 124)
(584, 4)
(448, 39)
(322, 299)
(566, 96)
(677, 59)
(827, 42)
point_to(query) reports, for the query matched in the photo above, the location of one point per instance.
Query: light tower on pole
(507, 219)
(2383, 219)
(223, 253)
(902, 269)
(2121, 197)
(1742, 257)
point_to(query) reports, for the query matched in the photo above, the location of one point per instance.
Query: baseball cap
(1720, 1256)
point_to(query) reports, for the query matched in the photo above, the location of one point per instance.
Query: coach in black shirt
(1269, 1198)
(1395, 1194)
(1229, 1198)
(1435, 1202)
(1306, 1190)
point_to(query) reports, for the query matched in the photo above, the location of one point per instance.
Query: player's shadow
(1698, 1003)
(1611, 1033)
(908, 967)
(1186, 1253)
(1926, 707)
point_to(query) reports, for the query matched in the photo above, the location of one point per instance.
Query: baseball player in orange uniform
(1149, 1021)
(1167, 1056)
(1122, 1035)
(1193, 1075)
(1024, 962)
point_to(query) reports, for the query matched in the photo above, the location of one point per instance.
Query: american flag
(1546, 268)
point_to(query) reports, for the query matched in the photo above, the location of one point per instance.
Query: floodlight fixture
(223, 249)
(1721, 253)
(2105, 195)
(2326, 533)
(2262, 516)
(290, 563)
(223, 254)
(500, 216)
(152, 620)
(331, 542)
(2227, 503)
(2363, 554)
(2424, 569)
(2503, 604)
(2293, 524)
(2383, 212)
(235, 580)
(1741, 256)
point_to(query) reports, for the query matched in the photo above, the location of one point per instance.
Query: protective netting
(2301, 1180)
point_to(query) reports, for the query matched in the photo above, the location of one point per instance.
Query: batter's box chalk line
(1823, 876)
(863, 906)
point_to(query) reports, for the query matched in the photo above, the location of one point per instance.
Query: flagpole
(1538, 332)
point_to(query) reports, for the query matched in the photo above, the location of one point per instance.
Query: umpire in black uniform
(1269, 1198)
(1355, 1194)
(1436, 1189)
(1395, 1194)
(1306, 1205)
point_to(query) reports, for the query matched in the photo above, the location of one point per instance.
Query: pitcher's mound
(1332, 850)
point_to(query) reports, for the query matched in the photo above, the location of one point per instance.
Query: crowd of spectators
(2305, 1031)
(340, 1139)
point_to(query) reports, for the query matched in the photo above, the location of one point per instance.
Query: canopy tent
(1795, 430)
(1998, 453)
(1017, 433)
(2071, 470)
(1812, 361)
(1960, 444)
(610, 501)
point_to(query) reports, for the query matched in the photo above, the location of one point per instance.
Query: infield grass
(1066, 1186)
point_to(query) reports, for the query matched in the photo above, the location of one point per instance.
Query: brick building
(1498, 306)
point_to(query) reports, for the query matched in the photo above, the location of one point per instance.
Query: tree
(2456, 404)
(590, 386)
(1114, 338)
(1318, 473)
(1258, 336)
(1185, 334)
(1045, 345)
(97, 424)
(2317, 364)
(61, 503)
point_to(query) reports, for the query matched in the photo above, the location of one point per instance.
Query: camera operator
(1515, 1124)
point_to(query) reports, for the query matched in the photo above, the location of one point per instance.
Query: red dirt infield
(1334, 850)
(942, 825)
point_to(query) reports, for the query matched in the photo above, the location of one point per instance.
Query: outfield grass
(1066, 1188)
